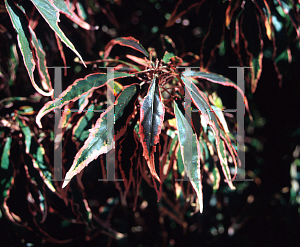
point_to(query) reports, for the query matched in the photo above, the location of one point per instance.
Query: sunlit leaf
(51, 15)
(20, 24)
(125, 41)
(151, 120)
(201, 102)
(96, 143)
(190, 152)
(167, 57)
(41, 59)
(232, 7)
(27, 133)
(79, 87)
(63, 8)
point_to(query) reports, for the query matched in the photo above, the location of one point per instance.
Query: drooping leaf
(265, 14)
(64, 8)
(201, 102)
(190, 152)
(96, 144)
(41, 62)
(6, 171)
(50, 13)
(20, 24)
(151, 120)
(40, 164)
(79, 87)
(251, 33)
(27, 134)
(232, 7)
(218, 79)
(125, 41)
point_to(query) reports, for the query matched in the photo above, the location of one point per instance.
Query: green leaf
(96, 144)
(63, 8)
(167, 57)
(79, 87)
(125, 41)
(43, 168)
(27, 133)
(78, 130)
(218, 79)
(6, 154)
(201, 102)
(41, 59)
(6, 171)
(50, 13)
(20, 24)
(190, 152)
(151, 120)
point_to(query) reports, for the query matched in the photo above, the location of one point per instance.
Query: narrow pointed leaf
(41, 59)
(232, 6)
(6, 171)
(151, 120)
(125, 41)
(190, 152)
(218, 79)
(51, 15)
(201, 102)
(63, 8)
(251, 33)
(80, 87)
(19, 21)
(96, 144)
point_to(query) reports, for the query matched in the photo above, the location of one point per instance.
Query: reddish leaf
(251, 33)
(151, 121)
(125, 41)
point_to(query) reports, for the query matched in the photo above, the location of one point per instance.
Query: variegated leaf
(96, 143)
(79, 87)
(151, 120)
(190, 152)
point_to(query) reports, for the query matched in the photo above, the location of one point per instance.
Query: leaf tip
(65, 183)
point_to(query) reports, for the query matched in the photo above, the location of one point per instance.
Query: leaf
(125, 41)
(20, 24)
(151, 120)
(167, 57)
(51, 15)
(137, 60)
(190, 152)
(63, 8)
(96, 144)
(201, 102)
(266, 16)
(42, 167)
(6, 174)
(251, 33)
(78, 132)
(219, 79)
(289, 11)
(232, 6)
(79, 87)
(41, 59)
(27, 133)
